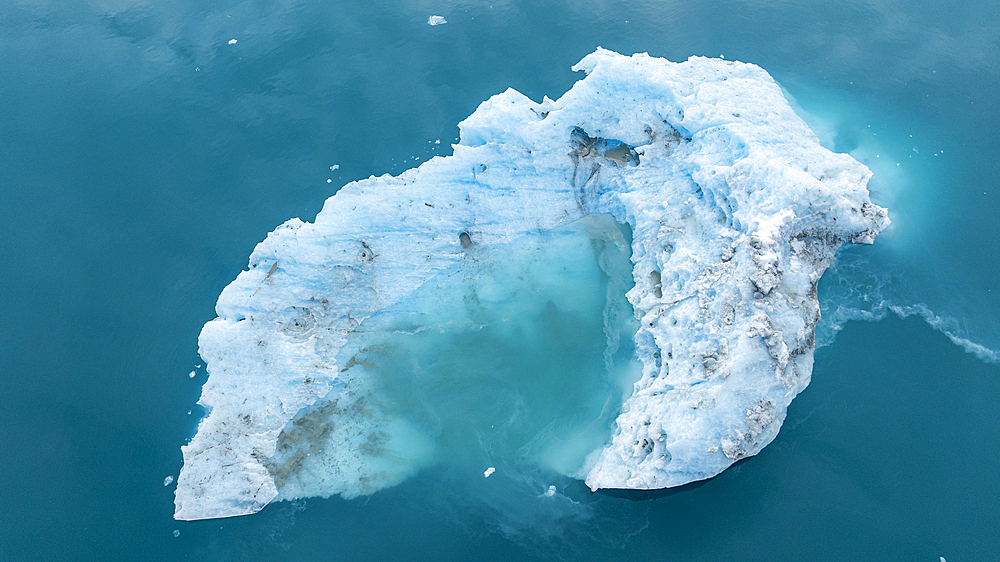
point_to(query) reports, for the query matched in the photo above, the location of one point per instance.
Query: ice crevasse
(735, 211)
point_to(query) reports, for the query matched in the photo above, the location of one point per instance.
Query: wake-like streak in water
(856, 290)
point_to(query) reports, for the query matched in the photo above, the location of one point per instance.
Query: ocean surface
(146, 147)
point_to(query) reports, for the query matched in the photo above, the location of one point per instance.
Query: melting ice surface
(617, 286)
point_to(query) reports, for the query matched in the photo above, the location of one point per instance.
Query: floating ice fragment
(232, 41)
(328, 180)
(192, 374)
(168, 480)
(551, 491)
(436, 20)
(177, 533)
(438, 141)
(335, 167)
(734, 211)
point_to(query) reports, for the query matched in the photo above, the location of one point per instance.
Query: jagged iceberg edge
(735, 211)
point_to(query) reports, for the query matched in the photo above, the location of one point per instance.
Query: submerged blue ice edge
(526, 361)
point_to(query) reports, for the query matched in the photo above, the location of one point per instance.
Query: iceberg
(682, 210)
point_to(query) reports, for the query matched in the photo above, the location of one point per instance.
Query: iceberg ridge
(735, 211)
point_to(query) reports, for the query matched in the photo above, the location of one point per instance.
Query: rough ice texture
(735, 208)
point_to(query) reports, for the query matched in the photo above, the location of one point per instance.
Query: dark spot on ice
(616, 151)
(654, 277)
(366, 254)
(465, 239)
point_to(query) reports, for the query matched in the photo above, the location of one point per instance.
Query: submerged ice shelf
(691, 189)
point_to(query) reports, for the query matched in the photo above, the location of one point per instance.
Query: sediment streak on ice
(735, 208)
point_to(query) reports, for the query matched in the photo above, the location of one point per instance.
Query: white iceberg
(436, 20)
(734, 209)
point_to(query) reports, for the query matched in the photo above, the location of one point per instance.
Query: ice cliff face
(735, 211)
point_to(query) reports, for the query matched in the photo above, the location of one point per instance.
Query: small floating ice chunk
(232, 41)
(334, 167)
(328, 180)
(438, 141)
(551, 491)
(168, 480)
(489, 471)
(436, 20)
(192, 374)
(177, 533)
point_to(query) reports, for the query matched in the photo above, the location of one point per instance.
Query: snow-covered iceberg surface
(690, 188)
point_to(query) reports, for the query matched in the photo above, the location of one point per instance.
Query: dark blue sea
(143, 154)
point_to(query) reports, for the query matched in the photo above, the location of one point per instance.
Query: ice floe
(735, 211)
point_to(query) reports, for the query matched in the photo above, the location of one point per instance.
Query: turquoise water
(142, 157)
